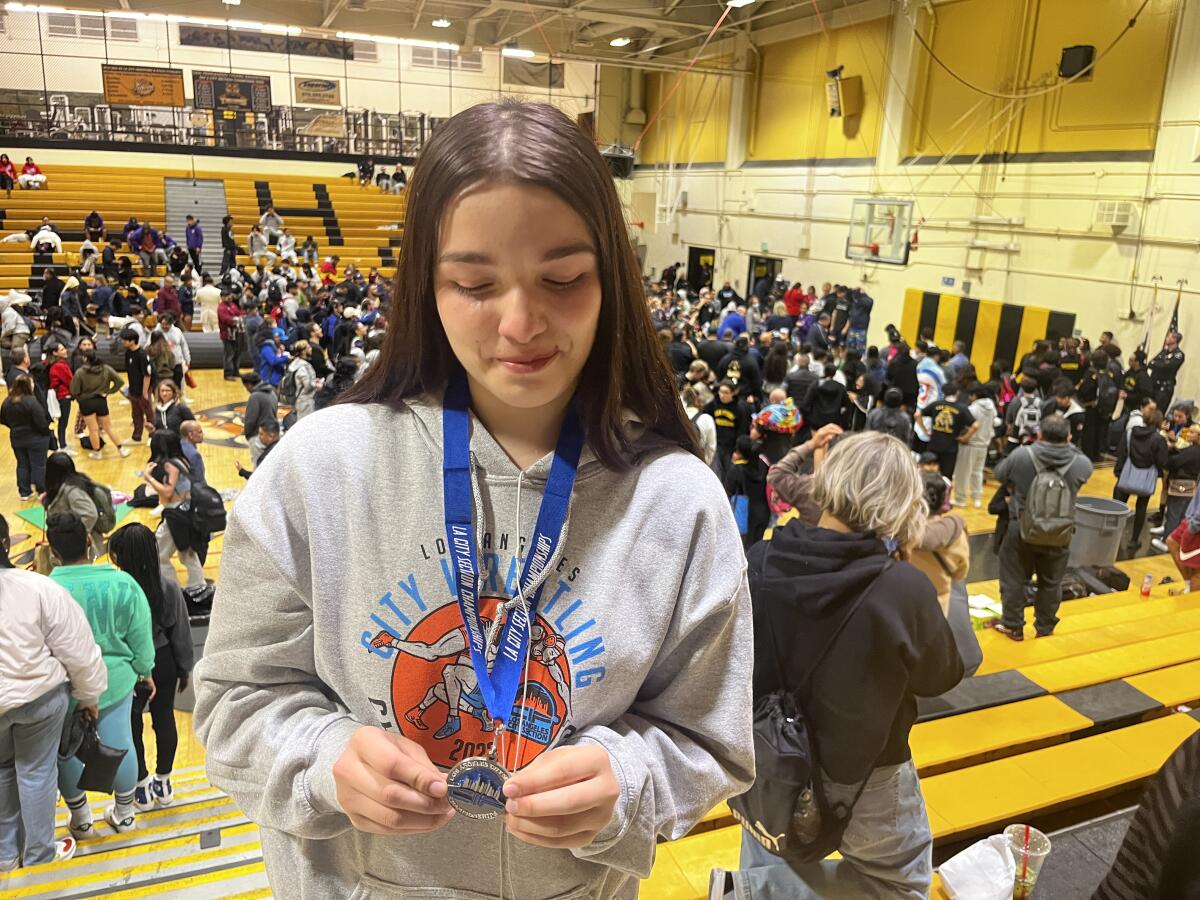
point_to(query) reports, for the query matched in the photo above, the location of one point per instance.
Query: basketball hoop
(872, 249)
(879, 231)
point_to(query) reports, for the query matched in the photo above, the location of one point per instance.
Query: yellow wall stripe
(1034, 322)
(910, 319)
(983, 348)
(947, 320)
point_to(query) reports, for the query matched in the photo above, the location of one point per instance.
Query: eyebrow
(482, 259)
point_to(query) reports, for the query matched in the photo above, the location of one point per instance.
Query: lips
(528, 364)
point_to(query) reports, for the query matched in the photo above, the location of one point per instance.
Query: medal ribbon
(499, 684)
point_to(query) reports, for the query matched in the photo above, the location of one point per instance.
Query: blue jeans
(115, 731)
(29, 737)
(887, 850)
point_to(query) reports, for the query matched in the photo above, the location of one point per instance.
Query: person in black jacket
(680, 352)
(1142, 446)
(740, 367)
(860, 702)
(902, 375)
(731, 415)
(827, 402)
(228, 245)
(747, 475)
(799, 379)
(1136, 387)
(29, 432)
(1183, 472)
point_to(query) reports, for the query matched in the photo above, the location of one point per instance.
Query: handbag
(787, 809)
(1181, 487)
(81, 740)
(740, 504)
(1137, 480)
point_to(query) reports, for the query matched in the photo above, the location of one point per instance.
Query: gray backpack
(1048, 517)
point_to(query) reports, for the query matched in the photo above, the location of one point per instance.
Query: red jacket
(793, 300)
(60, 378)
(6, 168)
(167, 300)
(226, 313)
(30, 169)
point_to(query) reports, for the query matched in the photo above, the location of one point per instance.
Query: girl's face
(518, 292)
(165, 392)
(60, 351)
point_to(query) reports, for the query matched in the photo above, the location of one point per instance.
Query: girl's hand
(564, 798)
(387, 785)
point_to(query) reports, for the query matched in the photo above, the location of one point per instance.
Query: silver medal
(476, 787)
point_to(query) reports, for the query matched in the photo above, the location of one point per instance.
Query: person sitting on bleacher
(150, 245)
(272, 223)
(31, 176)
(93, 226)
(46, 241)
(860, 700)
(287, 246)
(258, 245)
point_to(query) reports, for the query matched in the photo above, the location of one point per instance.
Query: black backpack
(786, 809)
(208, 509)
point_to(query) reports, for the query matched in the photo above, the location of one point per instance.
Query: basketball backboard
(879, 231)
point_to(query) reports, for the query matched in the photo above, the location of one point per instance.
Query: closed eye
(564, 285)
(472, 291)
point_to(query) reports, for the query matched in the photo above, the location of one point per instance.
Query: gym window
(436, 58)
(366, 51)
(68, 25)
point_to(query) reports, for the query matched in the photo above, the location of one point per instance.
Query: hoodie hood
(1053, 455)
(814, 569)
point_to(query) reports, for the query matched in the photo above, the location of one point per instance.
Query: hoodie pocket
(371, 888)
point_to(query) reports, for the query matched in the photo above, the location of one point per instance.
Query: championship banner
(142, 86)
(318, 92)
(231, 91)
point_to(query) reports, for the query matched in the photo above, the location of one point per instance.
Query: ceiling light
(619, 42)
(232, 2)
(517, 52)
(738, 4)
(440, 23)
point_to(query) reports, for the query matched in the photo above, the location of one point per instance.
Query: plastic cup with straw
(1029, 850)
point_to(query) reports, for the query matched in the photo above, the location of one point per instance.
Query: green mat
(36, 515)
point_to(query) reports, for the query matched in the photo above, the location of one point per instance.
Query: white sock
(81, 812)
(124, 806)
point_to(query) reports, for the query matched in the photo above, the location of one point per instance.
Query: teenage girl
(340, 688)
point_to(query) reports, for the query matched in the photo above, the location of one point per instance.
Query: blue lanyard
(499, 684)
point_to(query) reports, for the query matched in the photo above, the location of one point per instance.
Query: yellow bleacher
(118, 193)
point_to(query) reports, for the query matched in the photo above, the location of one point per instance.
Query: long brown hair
(534, 144)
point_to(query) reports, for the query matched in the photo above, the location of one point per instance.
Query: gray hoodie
(1018, 469)
(642, 645)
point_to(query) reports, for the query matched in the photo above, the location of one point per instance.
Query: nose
(521, 317)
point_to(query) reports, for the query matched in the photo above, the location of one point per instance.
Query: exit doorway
(760, 267)
(700, 263)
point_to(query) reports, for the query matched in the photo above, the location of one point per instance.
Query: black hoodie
(1145, 446)
(827, 402)
(861, 701)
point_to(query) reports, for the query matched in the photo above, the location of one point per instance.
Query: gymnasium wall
(1141, 146)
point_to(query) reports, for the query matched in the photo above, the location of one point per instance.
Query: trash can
(186, 701)
(1099, 530)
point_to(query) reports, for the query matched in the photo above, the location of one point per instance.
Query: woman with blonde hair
(864, 637)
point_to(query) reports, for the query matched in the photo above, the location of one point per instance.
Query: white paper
(984, 871)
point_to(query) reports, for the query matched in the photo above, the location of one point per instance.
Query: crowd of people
(842, 620)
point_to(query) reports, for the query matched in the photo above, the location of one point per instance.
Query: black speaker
(619, 159)
(1075, 59)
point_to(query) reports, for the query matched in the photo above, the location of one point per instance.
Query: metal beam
(332, 8)
(599, 15)
(417, 14)
(473, 21)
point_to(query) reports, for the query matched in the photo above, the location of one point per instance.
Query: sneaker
(95, 454)
(1158, 530)
(124, 451)
(25, 498)
(143, 795)
(82, 831)
(64, 849)
(958, 503)
(70, 452)
(120, 826)
(164, 794)
(1010, 633)
(1160, 545)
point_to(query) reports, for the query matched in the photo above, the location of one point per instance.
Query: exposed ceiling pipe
(636, 114)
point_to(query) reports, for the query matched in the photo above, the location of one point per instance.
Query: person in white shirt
(178, 344)
(272, 223)
(287, 246)
(693, 409)
(208, 298)
(46, 647)
(14, 327)
(46, 236)
(258, 244)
